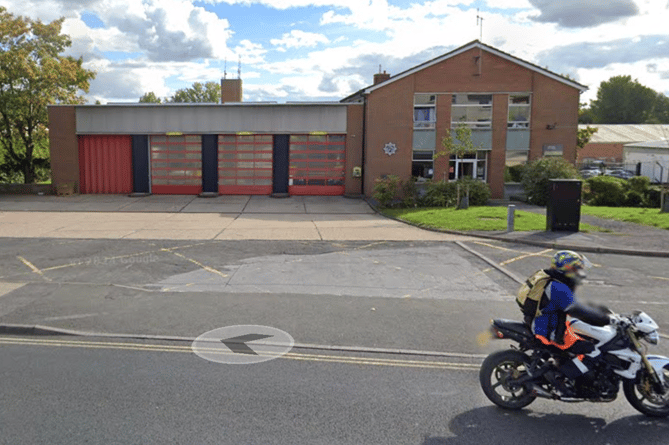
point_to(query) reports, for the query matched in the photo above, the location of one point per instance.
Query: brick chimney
(231, 90)
(381, 77)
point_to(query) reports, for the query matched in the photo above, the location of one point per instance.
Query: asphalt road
(57, 391)
(418, 296)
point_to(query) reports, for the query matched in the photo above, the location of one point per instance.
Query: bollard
(510, 215)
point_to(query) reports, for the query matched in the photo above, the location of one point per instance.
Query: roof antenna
(239, 68)
(379, 68)
(479, 23)
(225, 69)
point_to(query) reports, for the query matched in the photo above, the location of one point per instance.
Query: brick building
(517, 111)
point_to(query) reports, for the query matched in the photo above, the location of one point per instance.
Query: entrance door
(280, 168)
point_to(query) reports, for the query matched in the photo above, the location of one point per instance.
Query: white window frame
(431, 104)
(514, 124)
(485, 124)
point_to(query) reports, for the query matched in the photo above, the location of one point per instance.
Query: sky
(313, 50)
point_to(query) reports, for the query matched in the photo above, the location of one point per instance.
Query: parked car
(619, 173)
(590, 172)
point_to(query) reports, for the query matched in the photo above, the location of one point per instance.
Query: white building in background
(652, 157)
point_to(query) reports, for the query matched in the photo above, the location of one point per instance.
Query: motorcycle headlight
(653, 338)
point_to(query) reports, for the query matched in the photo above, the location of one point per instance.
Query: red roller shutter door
(105, 164)
(244, 164)
(176, 164)
(317, 164)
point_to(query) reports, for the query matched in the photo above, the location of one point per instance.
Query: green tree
(150, 98)
(34, 74)
(583, 136)
(457, 142)
(209, 92)
(621, 100)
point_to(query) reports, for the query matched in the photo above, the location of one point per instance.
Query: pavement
(326, 218)
(179, 217)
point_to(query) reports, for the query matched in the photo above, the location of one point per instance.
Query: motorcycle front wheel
(497, 373)
(641, 395)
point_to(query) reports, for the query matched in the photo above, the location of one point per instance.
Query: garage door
(176, 164)
(105, 164)
(317, 164)
(245, 164)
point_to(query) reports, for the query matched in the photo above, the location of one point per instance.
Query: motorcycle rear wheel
(641, 396)
(496, 371)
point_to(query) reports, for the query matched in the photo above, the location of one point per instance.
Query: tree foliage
(209, 92)
(457, 142)
(150, 98)
(34, 74)
(584, 135)
(621, 100)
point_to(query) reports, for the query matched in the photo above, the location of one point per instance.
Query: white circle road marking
(243, 344)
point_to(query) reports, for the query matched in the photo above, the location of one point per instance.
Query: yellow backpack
(531, 295)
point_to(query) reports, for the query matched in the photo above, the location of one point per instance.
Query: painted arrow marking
(238, 344)
(234, 344)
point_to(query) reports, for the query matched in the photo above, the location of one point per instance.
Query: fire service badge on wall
(390, 149)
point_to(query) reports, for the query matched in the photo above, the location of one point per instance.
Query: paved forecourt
(192, 218)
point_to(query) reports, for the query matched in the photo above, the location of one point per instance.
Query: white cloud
(299, 39)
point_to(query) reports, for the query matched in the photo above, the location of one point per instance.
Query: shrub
(386, 190)
(479, 191)
(537, 173)
(653, 197)
(606, 191)
(639, 184)
(514, 173)
(439, 194)
(634, 198)
(410, 193)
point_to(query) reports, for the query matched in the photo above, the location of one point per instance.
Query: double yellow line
(360, 361)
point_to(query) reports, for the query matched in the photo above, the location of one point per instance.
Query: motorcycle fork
(651, 371)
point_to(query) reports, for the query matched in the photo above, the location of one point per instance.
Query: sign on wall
(390, 149)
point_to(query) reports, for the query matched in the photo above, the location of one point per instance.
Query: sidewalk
(334, 218)
(179, 217)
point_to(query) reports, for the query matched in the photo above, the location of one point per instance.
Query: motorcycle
(515, 377)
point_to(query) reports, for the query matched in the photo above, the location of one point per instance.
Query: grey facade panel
(517, 139)
(215, 119)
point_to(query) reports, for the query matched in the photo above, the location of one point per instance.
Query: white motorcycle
(515, 377)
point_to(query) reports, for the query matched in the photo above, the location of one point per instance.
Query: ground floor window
(317, 161)
(515, 160)
(176, 164)
(245, 163)
(473, 165)
(422, 165)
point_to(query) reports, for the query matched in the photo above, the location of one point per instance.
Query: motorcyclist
(567, 271)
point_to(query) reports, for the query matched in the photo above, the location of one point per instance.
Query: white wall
(654, 162)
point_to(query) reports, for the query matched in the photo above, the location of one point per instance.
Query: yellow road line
(481, 243)
(33, 267)
(197, 263)
(290, 356)
(661, 278)
(522, 257)
(118, 257)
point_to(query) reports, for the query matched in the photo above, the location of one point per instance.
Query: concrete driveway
(179, 217)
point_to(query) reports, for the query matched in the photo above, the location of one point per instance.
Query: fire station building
(517, 111)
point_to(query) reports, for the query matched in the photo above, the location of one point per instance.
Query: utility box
(563, 211)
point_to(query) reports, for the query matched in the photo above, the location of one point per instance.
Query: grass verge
(474, 218)
(646, 217)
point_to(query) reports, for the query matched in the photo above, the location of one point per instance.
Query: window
(422, 165)
(472, 110)
(424, 111)
(519, 111)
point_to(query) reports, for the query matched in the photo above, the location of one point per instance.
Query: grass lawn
(474, 218)
(647, 217)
